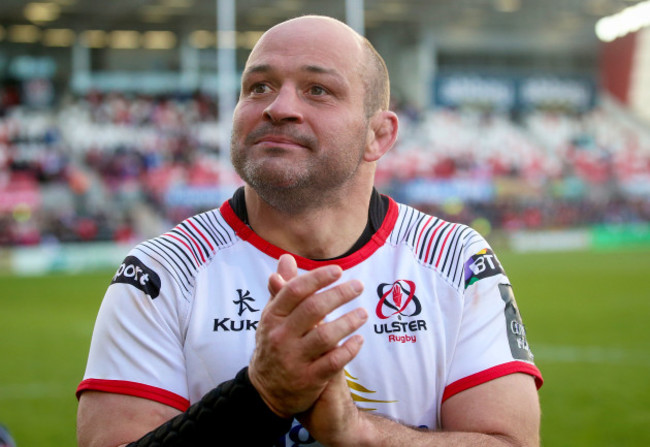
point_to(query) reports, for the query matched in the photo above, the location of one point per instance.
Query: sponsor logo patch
(135, 273)
(482, 265)
(514, 326)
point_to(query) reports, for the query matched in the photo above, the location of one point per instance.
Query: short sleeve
(137, 342)
(492, 338)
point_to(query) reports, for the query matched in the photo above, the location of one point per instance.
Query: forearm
(232, 409)
(377, 431)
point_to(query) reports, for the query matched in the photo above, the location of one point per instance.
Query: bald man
(309, 309)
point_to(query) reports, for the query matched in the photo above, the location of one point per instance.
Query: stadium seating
(104, 166)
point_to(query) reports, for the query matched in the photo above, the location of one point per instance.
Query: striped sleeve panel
(434, 242)
(189, 245)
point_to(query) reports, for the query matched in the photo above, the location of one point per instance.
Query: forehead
(329, 46)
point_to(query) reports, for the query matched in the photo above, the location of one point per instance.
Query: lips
(277, 141)
(288, 138)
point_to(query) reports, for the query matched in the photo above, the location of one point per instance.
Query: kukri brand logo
(244, 303)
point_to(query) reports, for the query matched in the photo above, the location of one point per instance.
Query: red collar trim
(378, 239)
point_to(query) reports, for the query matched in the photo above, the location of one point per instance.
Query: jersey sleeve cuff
(491, 374)
(134, 389)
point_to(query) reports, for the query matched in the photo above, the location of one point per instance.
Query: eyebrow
(266, 68)
(321, 70)
(263, 68)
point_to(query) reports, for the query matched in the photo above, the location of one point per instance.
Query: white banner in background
(559, 240)
(69, 258)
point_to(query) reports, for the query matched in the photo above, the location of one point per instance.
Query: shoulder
(184, 250)
(436, 243)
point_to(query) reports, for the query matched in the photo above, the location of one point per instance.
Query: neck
(319, 232)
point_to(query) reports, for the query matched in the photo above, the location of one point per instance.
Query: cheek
(242, 120)
(237, 118)
(352, 133)
(339, 126)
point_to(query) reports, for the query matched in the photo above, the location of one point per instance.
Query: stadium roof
(554, 25)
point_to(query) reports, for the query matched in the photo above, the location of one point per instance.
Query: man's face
(299, 128)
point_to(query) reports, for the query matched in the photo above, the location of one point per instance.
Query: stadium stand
(120, 167)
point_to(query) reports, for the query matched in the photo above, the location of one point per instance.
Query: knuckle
(323, 276)
(336, 296)
(343, 293)
(312, 307)
(323, 336)
(294, 288)
(336, 360)
(354, 320)
(275, 337)
(347, 324)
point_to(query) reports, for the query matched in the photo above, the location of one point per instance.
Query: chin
(277, 174)
(275, 183)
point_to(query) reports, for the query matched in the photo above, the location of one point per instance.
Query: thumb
(287, 269)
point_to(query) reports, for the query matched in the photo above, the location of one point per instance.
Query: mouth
(287, 139)
(279, 142)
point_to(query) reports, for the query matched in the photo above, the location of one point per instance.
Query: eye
(259, 88)
(317, 90)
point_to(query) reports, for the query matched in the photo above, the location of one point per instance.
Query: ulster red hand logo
(399, 297)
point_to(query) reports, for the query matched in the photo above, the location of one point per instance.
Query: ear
(382, 133)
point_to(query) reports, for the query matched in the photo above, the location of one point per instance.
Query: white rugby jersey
(181, 312)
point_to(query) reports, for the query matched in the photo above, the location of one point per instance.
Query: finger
(287, 267)
(276, 282)
(313, 309)
(300, 287)
(328, 365)
(326, 336)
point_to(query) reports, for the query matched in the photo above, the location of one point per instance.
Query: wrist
(367, 431)
(359, 431)
(258, 386)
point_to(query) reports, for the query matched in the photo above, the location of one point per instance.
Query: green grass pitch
(586, 316)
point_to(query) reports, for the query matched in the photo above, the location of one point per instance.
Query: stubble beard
(294, 188)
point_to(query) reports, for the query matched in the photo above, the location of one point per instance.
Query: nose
(285, 106)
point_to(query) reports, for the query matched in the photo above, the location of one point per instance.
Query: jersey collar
(377, 240)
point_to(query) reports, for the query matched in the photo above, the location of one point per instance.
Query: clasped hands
(297, 365)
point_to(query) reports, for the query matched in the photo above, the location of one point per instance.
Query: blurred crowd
(120, 168)
(546, 168)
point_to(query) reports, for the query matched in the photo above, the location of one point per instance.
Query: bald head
(316, 30)
(375, 79)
